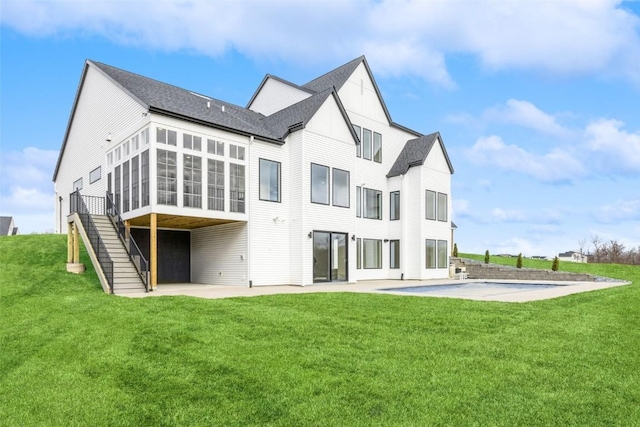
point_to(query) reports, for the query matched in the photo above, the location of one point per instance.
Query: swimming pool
(475, 289)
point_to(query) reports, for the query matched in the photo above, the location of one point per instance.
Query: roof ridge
(310, 83)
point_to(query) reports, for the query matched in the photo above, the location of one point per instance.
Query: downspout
(247, 199)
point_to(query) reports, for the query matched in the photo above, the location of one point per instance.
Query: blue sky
(538, 102)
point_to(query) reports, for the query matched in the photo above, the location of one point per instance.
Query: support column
(69, 243)
(153, 249)
(76, 244)
(127, 229)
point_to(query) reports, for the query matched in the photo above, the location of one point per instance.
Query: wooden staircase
(125, 276)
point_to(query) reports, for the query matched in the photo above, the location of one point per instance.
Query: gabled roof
(168, 99)
(6, 223)
(286, 82)
(415, 152)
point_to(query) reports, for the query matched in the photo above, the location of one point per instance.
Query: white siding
(299, 270)
(219, 255)
(102, 109)
(275, 96)
(359, 97)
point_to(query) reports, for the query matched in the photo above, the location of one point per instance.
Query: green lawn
(72, 355)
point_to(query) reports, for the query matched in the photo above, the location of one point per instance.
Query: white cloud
(525, 114)
(555, 166)
(461, 208)
(616, 150)
(400, 38)
(620, 211)
(503, 215)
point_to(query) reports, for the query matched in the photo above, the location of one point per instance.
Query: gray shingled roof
(171, 99)
(415, 152)
(281, 80)
(335, 78)
(5, 223)
(297, 114)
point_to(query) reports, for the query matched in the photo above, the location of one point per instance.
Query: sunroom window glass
(430, 253)
(215, 184)
(135, 182)
(358, 131)
(366, 144)
(442, 207)
(192, 185)
(167, 178)
(340, 188)
(430, 208)
(319, 184)
(395, 206)
(236, 183)
(394, 254)
(372, 253)
(269, 180)
(377, 147)
(442, 254)
(144, 172)
(372, 204)
(125, 186)
(117, 187)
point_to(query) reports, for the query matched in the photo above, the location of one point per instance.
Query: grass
(72, 355)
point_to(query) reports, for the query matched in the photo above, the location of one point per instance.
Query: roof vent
(208, 104)
(222, 108)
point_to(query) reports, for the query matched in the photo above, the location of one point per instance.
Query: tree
(582, 244)
(455, 250)
(519, 261)
(556, 264)
(486, 257)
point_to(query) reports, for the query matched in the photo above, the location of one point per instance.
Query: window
(372, 253)
(144, 179)
(117, 187)
(372, 204)
(236, 152)
(135, 183)
(126, 148)
(358, 254)
(430, 253)
(118, 154)
(442, 207)
(164, 136)
(95, 175)
(125, 187)
(358, 202)
(358, 130)
(377, 147)
(236, 183)
(442, 254)
(269, 180)
(394, 206)
(167, 178)
(319, 184)
(215, 185)
(430, 209)
(192, 142)
(215, 147)
(341, 188)
(192, 184)
(145, 137)
(77, 185)
(110, 159)
(394, 254)
(135, 141)
(366, 141)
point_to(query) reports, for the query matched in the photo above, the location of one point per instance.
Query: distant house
(572, 256)
(7, 227)
(294, 188)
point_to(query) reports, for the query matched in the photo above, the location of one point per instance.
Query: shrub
(455, 250)
(486, 257)
(556, 264)
(519, 261)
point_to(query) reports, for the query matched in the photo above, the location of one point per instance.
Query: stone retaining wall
(478, 270)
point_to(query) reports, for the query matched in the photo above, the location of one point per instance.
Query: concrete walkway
(476, 292)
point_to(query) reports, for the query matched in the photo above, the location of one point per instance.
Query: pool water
(474, 289)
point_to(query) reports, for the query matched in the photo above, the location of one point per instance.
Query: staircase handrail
(133, 250)
(78, 206)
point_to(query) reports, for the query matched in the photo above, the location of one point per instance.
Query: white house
(572, 256)
(7, 226)
(305, 184)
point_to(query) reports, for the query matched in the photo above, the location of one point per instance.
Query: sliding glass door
(329, 256)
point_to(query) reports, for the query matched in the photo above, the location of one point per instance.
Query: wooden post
(69, 243)
(76, 243)
(154, 251)
(127, 229)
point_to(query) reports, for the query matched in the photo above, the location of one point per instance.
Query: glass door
(330, 253)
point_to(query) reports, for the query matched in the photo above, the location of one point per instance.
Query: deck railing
(84, 211)
(135, 254)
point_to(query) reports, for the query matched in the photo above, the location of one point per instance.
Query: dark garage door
(174, 253)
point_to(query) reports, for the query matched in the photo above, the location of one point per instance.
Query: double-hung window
(430, 252)
(372, 253)
(341, 188)
(430, 204)
(269, 180)
(366, 144)
(394, 254)
(442, 254)
(377, 147)
(442, 207)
